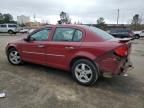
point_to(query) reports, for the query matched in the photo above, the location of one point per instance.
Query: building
(33, 25)
(23, 19)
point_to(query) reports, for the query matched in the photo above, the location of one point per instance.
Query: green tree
(7, 18)
(1, 18)
(136, 22)
(64, 18)
(101, 23)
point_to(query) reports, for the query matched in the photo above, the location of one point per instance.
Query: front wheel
(14, 57)
(85, 72)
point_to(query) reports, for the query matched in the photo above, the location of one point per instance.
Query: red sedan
(86, 51)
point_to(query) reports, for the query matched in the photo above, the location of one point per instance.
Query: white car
(24, 31)
(31, 30)
(139, 34)
(142, 34)
(9, 28)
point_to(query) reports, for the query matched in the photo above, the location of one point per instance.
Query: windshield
(100, 33)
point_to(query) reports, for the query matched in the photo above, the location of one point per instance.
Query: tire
(137, 36)
(14, 57)
(10, 32)
(85, 72)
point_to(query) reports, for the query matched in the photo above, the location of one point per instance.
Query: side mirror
(26, 39)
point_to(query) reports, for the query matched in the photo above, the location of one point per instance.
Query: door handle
(41, 46)
(69, 48)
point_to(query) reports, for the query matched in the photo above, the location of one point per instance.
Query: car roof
(67, 25)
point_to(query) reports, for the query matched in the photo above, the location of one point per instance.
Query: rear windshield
(101, 33)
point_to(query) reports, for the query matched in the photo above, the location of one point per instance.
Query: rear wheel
(10, 32)
(137, 36)
(14, 57)
(85, 72)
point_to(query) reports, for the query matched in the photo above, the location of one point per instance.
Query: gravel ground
(35, 86)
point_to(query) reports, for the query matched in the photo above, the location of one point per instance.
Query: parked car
(24, 31)
(9, 28)
(86, 51)
(31, 30)
(139, 34)
(122, 33)
(27, 31)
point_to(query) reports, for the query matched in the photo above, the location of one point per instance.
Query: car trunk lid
(124, 48)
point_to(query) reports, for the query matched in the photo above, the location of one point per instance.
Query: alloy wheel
(83, 73)
(14, 57)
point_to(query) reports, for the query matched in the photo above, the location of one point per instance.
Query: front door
(65, 43)
(34, 50)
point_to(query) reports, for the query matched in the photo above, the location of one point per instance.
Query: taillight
(121, 51)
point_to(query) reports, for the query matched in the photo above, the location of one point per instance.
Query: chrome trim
(43, 54)
(55, 55)
(33, 52)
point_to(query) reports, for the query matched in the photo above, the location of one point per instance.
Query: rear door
(3, 28)
(65, 42)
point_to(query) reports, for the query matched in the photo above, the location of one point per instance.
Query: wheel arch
(10, 30)
(10, 47)
(137, 34)
(84, 57)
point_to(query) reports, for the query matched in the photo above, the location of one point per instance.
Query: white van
(9, 28)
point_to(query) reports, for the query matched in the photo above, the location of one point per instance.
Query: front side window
(12, 25)
(67, 34)
(41, 35)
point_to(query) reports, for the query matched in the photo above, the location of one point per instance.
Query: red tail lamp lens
(122, 51)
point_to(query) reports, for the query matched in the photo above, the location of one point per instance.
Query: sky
(85, 11)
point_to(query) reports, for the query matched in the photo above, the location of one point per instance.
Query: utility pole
(34, 16)
(117, 16)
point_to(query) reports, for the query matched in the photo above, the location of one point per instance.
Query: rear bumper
(127, 66)
(113, 66)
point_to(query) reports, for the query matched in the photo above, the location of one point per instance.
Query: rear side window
(67, 34)
(77, 36)
(3, 26)
(12, 26)
(101, 33)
